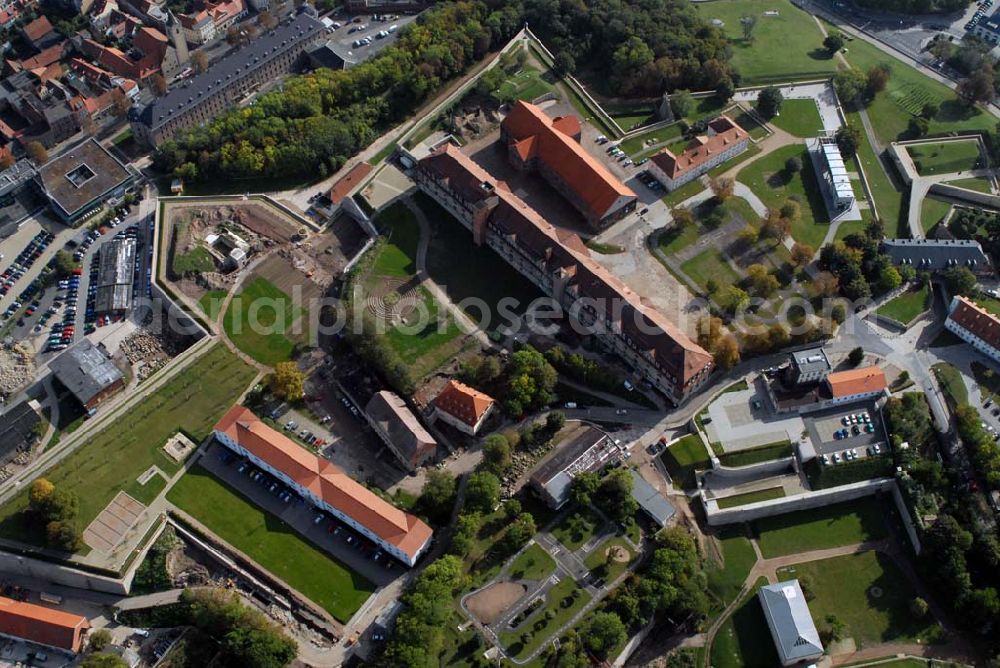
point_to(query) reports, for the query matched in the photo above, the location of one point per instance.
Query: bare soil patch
(490, 604)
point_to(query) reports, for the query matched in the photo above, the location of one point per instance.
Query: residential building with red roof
(346, 185)
(8, 17)
(558, 262)
(43, 626)
(723, 140)
(975, 325)
(552, 146)
(856, 384)
(40, 34)
(400, 534)
(400, 429)
(463, 407)
(211, 20)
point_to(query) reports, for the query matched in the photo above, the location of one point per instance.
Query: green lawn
(561, 602)
(869, 594)
(399, 255)
(932, 212)
(991, 304)
(198, 260)
(763, 453)
(950, 380)
(891, 203)
(744, 640)
(211, 303)
(428, 346)
(676, 239)
(907, 92)
(605, 249)
(532, 564)
(748, 123)
(908, 305)
(944, 158)
(271, 543)
(525, 84)
(260, 320)
(646, 141)
(751, 497)
(977, 183)
(685, 457)
(115, 457)
(800, 118)
(725, 580)
(710, 265)
(686, 191)
(821, 528)
(770, 181)
(793, 34)
(598, 561)
(576, 528)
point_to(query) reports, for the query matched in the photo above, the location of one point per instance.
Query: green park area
(890, 202)
(744, 640)
(398, 257)
(576, 527)
(562, 601)
(271, 543)
(780, 28)
(211, 303)
(847, 523)
(944, 157)
(932, 212)
(610, 559)
(115, 457)
(683, 458)
(868, 595)
(728, 569)
(528, 83)
(758, 454)
(736, 500)
(710, 265)
(261, 320)
(799, 118)
(952, 386)
(196, 261)
(774, 184)
(907, 306)
(532, 564)
(978, 183)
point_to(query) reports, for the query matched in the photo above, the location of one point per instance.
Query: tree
(496, 453)
(233, 35)
(682, 216)
(978, 86)
(39, 494)
(199, 61)
(36, 152)
(287, 382)
(604, 632)
(482, 492)
(917, 127)
(802, 254)
(267, 20)
(848, 139)
(775, 226)
(930, 110)
(877, 79)
(960, 281)
(833, 42)
(103, 661)
(682, 103)
(919, 608)
(264, 648)
(518, 533)
(158, 84)
(554, 421)
(565, 63)
(760, 280)
(120, 103)
(437, 496)
(725, 90)
(99, 639)
(731, 299)
(63, 535)
(856, 356)
(793, 165)
(722, 187)
(769, 102)
(614, 495)
(849, 84)
(727, 353)
(888, 278)
(65, 264)
(583, 488)
(748, 23)
(747, 237)
(529, 382)
(6, 160)
(825, 284)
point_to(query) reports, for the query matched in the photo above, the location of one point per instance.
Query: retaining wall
(790, 504)
(971, 196)
(760, 469)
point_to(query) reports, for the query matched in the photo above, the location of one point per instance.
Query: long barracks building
(559, 263)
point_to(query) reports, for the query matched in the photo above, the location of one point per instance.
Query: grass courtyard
(932, 212)
(710, 265)
(398, 257)
(774, 184)
(944, 157)
(950, 380)
(260, 321)
(821, 528)
(799, 117)
(271, 543)
(116, 456)
(576, 528)
(790, 28)
(532, 564)
(564, 600)
(908, 305)
(606, 566)
(866, 592)
(977, 183)
(751, 497)
(684, 457)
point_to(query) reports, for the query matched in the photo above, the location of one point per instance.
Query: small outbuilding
(792, 628)
(87, 372)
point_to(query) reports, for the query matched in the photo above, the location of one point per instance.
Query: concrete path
(920, 187)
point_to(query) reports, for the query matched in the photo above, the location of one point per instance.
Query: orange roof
(975, 319)
(37, 29)
(701, 149)
(41, 625)
(463, 402)
(43, 59)
(856, 381)
(349, 182)
(326, 481)
(553, 143)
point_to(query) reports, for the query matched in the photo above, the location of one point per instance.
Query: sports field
(271, 543)
(260, 321)
(788, 29)
(114, 458)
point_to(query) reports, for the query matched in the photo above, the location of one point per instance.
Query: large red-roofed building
(323, 484)
(44, 626)
(463, 407)
(723, 140)
(974, 325)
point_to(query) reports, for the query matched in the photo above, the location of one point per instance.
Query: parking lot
(364, 36)
(265, 491)
(853, 428)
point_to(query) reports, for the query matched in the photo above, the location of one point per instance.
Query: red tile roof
(37, 29)
(8, 16)
(43, 59)
(349, 182)
(535, 135)
(45, 626)
(463, 402)
(856, 381)
(326, 481)
(977, 320)
(701, 149)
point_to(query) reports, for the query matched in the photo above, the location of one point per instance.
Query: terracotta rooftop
(701, 149)
(463, 402)
(325, 480)
(977, 320)
(552, 141)
(349, 182)
(42, 625)
(37, 29)
(856, 381)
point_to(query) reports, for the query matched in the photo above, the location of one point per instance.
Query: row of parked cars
(851, 454)
(24, 261)
(981, 10)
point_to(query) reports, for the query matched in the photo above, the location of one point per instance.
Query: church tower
(176, 35)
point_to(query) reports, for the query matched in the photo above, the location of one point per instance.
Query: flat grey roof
(62, 176)
(811, 360)
(651, 501)
(85, 370)
(936, 254)
(114, 276)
